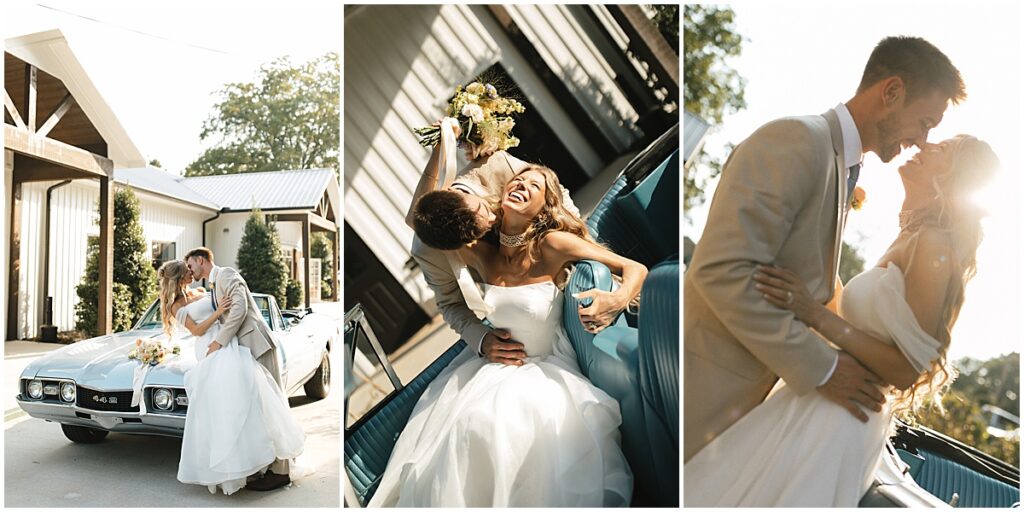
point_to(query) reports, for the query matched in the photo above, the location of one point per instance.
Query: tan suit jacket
(244, 320)
(781, 200)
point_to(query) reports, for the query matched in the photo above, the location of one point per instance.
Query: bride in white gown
(895, 318)
(534, 434)
(238, 419)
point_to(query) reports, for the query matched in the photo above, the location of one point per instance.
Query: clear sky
(157, 63)
(803, 59)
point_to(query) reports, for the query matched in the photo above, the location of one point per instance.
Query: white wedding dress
(806, 451)
(490, 435)
(238, 419)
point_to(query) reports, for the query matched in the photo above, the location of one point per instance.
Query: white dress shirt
(853, 154)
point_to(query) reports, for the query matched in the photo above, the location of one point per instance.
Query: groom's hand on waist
(854, 387)
(499, 347)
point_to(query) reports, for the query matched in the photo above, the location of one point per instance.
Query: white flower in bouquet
(476, 88)
(474, 112)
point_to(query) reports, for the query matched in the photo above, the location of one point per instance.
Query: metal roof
(267, 190)
(164, 183)
(694, 129)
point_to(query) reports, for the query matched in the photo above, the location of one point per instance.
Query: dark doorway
(393, 315)
(537, 141)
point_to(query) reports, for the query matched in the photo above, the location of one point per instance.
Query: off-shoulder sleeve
(899, 321)
(180, 315)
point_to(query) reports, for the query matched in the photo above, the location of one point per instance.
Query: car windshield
(152, 318)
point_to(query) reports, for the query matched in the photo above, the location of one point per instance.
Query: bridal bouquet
(485, 118)
(151, 352)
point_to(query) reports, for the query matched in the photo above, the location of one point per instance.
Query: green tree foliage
(135, 283)
(666, 18)
(992, 382)
(320, 246)
(711, 88)
(294, 294)
(287, 119)
(850, 263)
(259, 258)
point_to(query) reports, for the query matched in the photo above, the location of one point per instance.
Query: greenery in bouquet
(151, 352)
(484, 116)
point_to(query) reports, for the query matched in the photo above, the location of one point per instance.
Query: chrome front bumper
(152, 423)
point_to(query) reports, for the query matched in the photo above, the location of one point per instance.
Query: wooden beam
(13, 109)
(55, 116)
(31, 96)
(587, 126)
(14, 272)
(649, 45)
(306, 255)
(56, 152)
(319, 223)
(105, 309)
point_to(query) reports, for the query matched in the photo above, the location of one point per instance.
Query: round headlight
(67, 391)
(35, 389)
(163, 399)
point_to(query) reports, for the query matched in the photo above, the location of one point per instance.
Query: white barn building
(50, 207)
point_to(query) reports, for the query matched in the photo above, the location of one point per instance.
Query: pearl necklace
(512, 240)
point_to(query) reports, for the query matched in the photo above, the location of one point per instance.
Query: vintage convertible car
(87, 386)
(924, 468)
(636, 360)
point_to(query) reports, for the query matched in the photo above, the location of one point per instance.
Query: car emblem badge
(105, 400)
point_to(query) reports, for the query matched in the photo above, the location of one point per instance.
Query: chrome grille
(116, 401)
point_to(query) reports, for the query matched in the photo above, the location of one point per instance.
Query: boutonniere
(859, 196)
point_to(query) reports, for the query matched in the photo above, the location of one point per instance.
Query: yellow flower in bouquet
(858, 199)
(483, 114)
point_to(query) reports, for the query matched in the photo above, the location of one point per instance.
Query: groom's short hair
(922, 66)
(442, 220)
(200, 251)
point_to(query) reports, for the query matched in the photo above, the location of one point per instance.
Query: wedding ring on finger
(789, 297)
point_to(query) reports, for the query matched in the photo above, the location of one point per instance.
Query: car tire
(319, 385)
(83, 435)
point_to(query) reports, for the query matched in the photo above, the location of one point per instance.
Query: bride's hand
(224, 305)
(602, 311)
(787, 291)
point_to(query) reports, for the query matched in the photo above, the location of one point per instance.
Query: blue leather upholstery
(610, 360)
(943, 477)
(368, 447)
(641, 223)
(659, 375)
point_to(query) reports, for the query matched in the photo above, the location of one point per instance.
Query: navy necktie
(852, 181)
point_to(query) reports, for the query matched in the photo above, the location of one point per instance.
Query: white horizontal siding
(74, 218)
(401, 65)
(570, 53)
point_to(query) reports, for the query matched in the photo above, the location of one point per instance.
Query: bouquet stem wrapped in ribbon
(148, 353)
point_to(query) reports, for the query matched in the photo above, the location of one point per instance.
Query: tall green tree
(259, 258)
(135, 283)
(711, 88)
(992, 382)
(288, 118)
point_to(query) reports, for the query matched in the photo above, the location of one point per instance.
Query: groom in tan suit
(782, 200)
(456, 291)
(245, 322)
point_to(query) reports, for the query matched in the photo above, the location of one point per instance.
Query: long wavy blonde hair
(553, 216)
(955, 212)
(171, 289)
